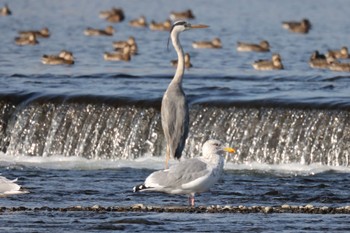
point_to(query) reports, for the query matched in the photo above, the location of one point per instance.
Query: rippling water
(86, 185)
(49, 113)
(224, 73)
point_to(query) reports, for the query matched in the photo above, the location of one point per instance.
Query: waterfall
(101, 130)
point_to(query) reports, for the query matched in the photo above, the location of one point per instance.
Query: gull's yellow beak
(229, 149)
(199, 26)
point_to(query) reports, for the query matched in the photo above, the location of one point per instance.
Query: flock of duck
(124, 50)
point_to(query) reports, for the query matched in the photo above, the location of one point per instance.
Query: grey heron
(174, 109)
(190, 176)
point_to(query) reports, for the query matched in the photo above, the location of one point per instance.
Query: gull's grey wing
(179, 174)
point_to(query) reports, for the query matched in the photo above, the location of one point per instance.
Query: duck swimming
(28, 40)
(5, 11)
(63, 58)
(140, 22)
(131, 43)
(162, 26)
(187, 61)
(115, 15)
(335, 65)
(274, 64)
(174, 16)
(43, 33)
(213, 44)
(318, 60)
(301, 27)
(108, 31)
(264, 46)
(343, 53)
(124, 55)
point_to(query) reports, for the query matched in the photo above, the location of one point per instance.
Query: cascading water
(107, 131)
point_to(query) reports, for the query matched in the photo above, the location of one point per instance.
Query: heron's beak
(229, 149)
(199, 26)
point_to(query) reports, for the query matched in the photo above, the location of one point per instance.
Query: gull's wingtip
(139, 188)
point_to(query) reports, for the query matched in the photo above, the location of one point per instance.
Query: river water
(86, 134)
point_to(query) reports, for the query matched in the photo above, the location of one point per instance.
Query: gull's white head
(215, 147)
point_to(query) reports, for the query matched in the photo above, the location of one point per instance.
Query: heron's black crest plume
(174, 25)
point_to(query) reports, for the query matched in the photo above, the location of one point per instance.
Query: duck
(162, 26)
(27, 40)
(124, 55)
(63, 58)
(132, 49)
(131, 43)
(302, 27)
(335, 65)
(343, 53)
(5, 11)
(104, 14)
(43, 33)
(115, 15)
(181, 15)
(187, 61)
(139, 22)
(318, 60)
(213, 44)
(274, 64)
(263, 46)
(317, 55)
(108, 31)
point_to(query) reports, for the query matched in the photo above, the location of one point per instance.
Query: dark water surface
(112, 187)
(86, 134)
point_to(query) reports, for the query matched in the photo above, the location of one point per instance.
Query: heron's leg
(167, 156)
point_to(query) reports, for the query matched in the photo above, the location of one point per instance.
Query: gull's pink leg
(191, 200)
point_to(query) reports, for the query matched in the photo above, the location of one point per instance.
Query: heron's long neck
(181, 61)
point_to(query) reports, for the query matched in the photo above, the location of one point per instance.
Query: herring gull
(190, 176)
(9, 187)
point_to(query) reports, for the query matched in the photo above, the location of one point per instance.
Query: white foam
(79, 163)
(287, 169)
(151, 162)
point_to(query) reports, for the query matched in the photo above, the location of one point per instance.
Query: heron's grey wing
(175, 119)
(177, 175)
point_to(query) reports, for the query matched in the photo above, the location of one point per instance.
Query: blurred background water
(85, 134)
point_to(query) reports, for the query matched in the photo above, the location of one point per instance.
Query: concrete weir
(307, 209)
